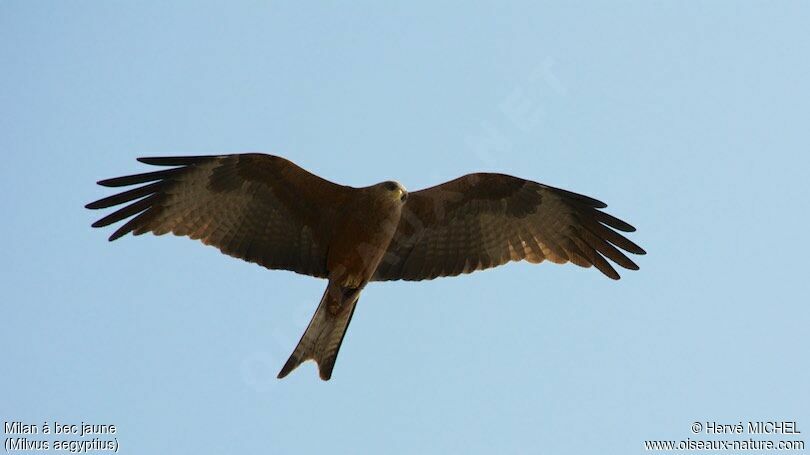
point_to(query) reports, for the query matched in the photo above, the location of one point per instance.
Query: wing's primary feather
(256, 207)
(484, 220)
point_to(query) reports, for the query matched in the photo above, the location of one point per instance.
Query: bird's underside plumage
(267, 210)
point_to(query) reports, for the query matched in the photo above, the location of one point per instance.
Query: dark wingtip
(108, 182)
(174, 160)
(595, 203)
(99, 204)
(613, 222)
(153, 160)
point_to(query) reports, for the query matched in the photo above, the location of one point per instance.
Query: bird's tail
(321, 341)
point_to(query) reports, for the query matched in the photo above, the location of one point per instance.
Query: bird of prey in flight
(267, 210)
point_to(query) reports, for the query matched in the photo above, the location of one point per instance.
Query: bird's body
(267, 210)
(362, 231)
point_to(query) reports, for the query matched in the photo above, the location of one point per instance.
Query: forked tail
(321, 341)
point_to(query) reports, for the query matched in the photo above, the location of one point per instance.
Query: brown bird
(267, 210)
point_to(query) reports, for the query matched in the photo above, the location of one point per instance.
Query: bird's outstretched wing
(256, 207)
(484, 220)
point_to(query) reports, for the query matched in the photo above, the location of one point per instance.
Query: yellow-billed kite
(267, 210)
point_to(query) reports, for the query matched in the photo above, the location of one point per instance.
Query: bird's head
(396, 190)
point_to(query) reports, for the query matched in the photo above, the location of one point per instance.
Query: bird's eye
(391, 186)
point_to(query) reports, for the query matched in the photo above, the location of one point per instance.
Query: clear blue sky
(689, 119)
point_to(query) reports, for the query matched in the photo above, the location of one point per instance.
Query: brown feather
(578, 257)
(126, 196)
(607, 250)
(126, 212)
(595, 258)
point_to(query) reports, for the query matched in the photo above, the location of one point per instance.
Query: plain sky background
(690, 119)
